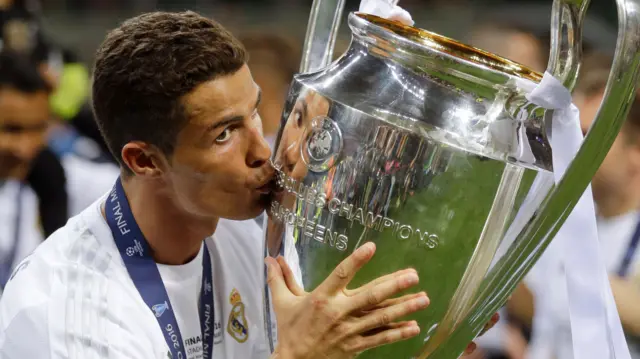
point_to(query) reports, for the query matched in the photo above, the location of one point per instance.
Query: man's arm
(627, 297)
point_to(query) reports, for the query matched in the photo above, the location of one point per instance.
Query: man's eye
(224, 136)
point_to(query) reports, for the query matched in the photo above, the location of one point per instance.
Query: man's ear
(144, 160)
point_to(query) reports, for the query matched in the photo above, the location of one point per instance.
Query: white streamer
(386, 9)
(596, 329)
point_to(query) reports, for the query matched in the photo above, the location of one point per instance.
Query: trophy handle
(620, 91)
(322, 31)
(564, 64)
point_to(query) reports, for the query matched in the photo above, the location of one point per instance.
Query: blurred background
(53, 162)
(81, 24)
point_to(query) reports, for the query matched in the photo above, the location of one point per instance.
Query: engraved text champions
(311, 229)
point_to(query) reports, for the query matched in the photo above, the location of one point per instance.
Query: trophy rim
(451, 47)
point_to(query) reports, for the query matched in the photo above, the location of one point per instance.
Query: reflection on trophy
(431, 149)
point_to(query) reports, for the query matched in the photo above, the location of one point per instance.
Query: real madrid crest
(237, 326)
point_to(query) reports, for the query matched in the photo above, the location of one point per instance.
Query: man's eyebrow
(226, 121)
(233, 118)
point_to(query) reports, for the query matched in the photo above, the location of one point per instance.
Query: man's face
(309, 106)
(617, 168)
(23, 123)
(220, 166)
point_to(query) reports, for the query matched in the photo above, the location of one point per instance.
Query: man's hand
(332, 322)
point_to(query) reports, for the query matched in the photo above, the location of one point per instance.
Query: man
(616, 192)
(511, 41)
(27, 178)
(131, 276)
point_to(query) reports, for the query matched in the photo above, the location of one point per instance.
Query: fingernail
(411, 279)
(412, 331)
(496, 317)
(367, 249)
(470, 348)
(423, 302)
(269, 262)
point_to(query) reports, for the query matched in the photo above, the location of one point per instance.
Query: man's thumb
(275, 279)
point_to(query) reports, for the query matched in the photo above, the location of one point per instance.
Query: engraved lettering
(301, 191)
(300, 221)
(291, 217)
(427, 240)
(373, 222)
(386, 223)
(309, 228)
(334, 205)
(432, 241)
(311, 196)
(321, 200)
(359, 216)
(395, 228)
(342, 242)
(405, 231)
(320, 232)
(331, 237)
(345, 210)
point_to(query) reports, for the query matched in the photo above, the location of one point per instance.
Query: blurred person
(21, 32)
(32, 179)
(273, 61)
(511, 41)
(616, 192)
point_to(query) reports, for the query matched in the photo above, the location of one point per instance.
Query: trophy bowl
(430, 149)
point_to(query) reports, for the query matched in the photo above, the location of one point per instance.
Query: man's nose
(259, 151)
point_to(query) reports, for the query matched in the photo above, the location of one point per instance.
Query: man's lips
(268, 186)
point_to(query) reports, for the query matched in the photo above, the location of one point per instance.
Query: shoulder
(70, 295)
(57, 261)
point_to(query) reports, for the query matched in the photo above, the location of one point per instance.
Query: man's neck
(175, 237)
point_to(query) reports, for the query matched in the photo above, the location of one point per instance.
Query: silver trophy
(430, 149)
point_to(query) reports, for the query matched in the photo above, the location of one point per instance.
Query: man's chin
(250, 211)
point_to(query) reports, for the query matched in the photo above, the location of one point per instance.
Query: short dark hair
(17, 71)
(145, 67)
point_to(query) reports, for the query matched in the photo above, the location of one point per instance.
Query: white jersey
(86, 182)
(73, 297)
(551, 338)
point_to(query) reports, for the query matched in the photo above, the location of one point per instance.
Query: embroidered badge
(237, 326)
